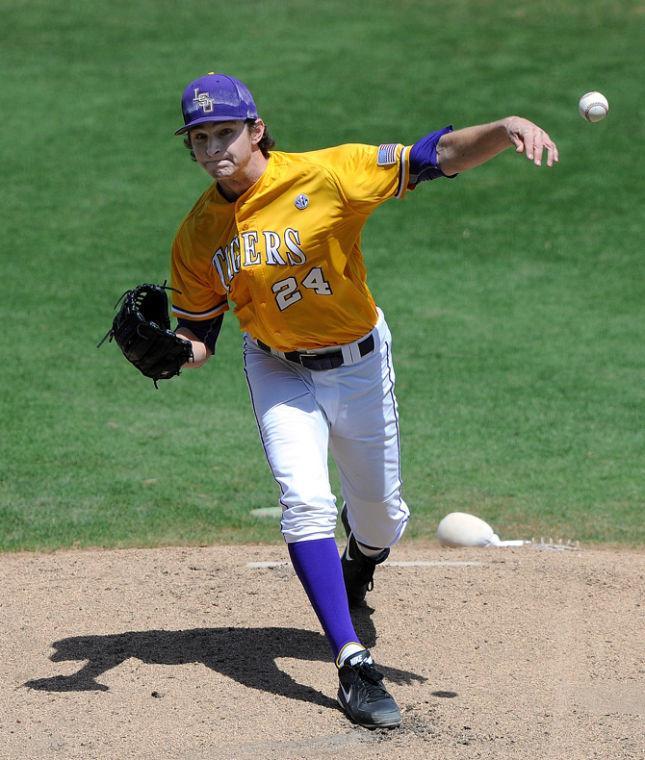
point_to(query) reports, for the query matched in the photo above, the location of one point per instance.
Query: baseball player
(278, 237)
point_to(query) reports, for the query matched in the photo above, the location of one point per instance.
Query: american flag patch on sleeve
(386, 155)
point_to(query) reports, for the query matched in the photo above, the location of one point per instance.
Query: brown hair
(266, 143)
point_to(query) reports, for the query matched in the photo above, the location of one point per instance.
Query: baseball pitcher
(277, 238)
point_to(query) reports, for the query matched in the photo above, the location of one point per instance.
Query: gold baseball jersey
(287, 253)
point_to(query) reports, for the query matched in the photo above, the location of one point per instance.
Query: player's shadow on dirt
(246, 655)
(364, 625)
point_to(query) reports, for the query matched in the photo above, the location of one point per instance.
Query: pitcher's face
(225, 148)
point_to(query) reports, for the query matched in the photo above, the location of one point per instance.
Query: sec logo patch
(301, 202)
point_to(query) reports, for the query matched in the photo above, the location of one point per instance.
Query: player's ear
(256, 131)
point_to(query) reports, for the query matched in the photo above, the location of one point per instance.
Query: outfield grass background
(515, 294)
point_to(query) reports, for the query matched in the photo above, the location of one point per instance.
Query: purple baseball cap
(216, 97)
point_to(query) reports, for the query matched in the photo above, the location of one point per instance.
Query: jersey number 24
(287, 292)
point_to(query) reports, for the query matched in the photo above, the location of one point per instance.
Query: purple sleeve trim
(423, 158)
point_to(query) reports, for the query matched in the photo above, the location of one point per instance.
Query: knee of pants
(307, 522)
(378, 525)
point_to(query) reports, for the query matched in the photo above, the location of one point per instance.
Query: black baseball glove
(141, 328)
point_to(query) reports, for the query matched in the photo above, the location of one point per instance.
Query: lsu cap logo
(204, 101)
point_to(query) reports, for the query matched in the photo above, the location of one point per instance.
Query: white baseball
(593, 106)
(463, 529)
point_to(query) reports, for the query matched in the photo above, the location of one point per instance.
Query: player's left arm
(466, 148)
(201, 353)
(203, 336)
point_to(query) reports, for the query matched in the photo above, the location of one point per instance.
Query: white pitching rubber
(513, 542)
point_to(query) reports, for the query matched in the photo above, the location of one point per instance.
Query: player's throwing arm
(466, 148)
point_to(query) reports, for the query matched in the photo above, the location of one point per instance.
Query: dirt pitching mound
(197, 653)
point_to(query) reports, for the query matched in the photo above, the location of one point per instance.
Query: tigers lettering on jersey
(277, 250)
(287, 253)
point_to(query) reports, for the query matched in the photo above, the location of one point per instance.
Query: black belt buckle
(318, 362)
(306, 355)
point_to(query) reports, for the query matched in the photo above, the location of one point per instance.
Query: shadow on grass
(246, 655)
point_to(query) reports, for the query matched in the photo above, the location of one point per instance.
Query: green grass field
(515, 295)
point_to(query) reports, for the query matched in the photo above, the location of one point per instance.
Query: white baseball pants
(351, 410)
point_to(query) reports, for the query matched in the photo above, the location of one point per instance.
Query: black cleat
(358, 570)
(362, 695)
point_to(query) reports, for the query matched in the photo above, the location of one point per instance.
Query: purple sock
(317, 564)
